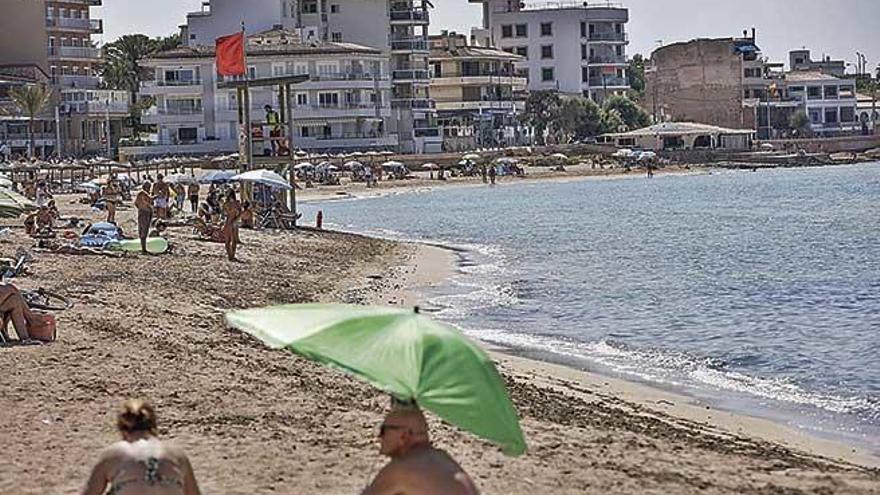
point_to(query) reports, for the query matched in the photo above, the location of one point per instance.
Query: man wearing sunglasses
(416, 467)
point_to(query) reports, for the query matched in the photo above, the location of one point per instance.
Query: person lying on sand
(141, 464)
(57, 247)
(209, 232)
(416, 467)
(14, 308)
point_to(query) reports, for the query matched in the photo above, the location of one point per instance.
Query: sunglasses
(384, 428)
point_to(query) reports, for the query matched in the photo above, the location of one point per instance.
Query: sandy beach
(257, 421)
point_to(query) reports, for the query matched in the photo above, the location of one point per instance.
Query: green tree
(31, 100)
(612, 121)
(542, 111)
(632, 115)
(123, 68)
(635, 74)
(799, 121)
(580, 118)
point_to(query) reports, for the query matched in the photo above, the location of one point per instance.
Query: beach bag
(43, 327)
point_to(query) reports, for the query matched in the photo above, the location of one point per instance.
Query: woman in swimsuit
(140, 464)
(232, 210)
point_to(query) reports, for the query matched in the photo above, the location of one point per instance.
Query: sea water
(756, 291)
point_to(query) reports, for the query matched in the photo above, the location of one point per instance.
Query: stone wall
(698, 81)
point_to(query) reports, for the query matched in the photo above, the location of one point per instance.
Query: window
(796, 89)
(546, 29)
(522, 31)
(830, 92)
(547, 74)
(334, 9)
(302, 99)
(583, 29)
(585, 74)
(814, 92)
(336, 37)
(546, 52)
(187, 134)
(310, 7)
(277, 70)
(830, 116)
(304, 131)
(847, 114)
(583, 52)
(507, 31)
(328, 99)
(522, 51)
(815, 116)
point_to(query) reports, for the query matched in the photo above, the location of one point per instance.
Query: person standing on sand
(416, 467)
(144, 204)
(492, 174)
(232, 211)
(140, 464)
(192, 191)
(112, 196)
(161, 193)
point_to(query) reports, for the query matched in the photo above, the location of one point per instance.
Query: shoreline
(431, 265)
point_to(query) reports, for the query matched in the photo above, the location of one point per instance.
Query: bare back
(144, 467)
(427, 471)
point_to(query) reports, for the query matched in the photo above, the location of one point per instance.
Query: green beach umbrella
(13, 204)
(401, 352)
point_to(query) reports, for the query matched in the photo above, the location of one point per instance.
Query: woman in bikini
(140, 464)
(232, 211)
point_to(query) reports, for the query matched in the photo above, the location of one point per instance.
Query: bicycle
(45, 300)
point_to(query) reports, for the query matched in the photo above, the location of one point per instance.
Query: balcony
(607, 60)
(480, 105)
(90, 3)
(345, 110)
(93, 26)
(405, 15)
(509, 80)
(409, 46)
(608, 37)
(348, 141)
(74, 52)
(414, 103)
(172, 87)
(609, 82)
(426, 132)
(173, 115)
(411, 75)
(76, 81)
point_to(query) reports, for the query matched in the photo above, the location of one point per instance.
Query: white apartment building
(345, 105)
(397, 28)
(570, 47)
(829, 101)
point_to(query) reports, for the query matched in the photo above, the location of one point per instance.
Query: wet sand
(257, 421)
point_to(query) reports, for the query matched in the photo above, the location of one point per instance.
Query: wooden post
(288, 99)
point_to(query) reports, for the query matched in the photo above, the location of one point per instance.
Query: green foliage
(31, 100)
(799, 120)
(580, 118)
(632, 115)
(636, 75)
(122, 67)
(543, 108)
(569, 118)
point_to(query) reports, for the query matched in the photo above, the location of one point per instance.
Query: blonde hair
(136, 415)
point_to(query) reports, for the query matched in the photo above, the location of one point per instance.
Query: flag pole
(248, 159)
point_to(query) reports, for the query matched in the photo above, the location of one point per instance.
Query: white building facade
(345, 105)
(572, 48)
(830, 102)
(397, 28)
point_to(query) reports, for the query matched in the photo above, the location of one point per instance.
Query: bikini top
(151, 477)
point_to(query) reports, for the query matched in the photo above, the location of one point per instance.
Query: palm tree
(31, 100)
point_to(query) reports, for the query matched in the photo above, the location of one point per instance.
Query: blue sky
(838, 28)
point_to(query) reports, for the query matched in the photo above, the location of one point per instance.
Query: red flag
(230, 55)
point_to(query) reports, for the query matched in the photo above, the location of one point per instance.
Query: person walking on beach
(144, 204)
(492, 174)
(161, 193)
(416, 467)
(140, 464)
(232, 211)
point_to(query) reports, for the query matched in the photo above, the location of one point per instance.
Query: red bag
(43, 327)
